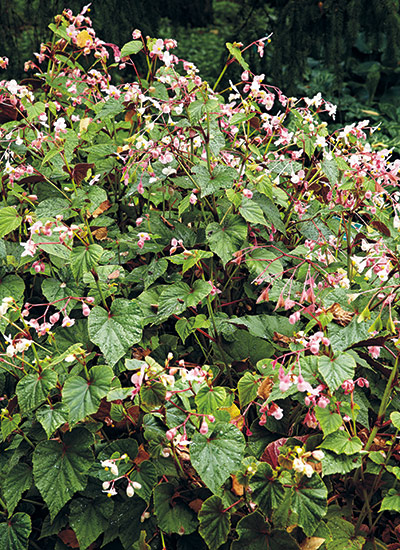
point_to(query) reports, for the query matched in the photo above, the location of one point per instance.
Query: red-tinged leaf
(271, 451)
(381, 227)
(8, 112)
(68, 537)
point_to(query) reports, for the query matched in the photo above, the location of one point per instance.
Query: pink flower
(294, 317)
(247, 193)
(85, 310)
(67, 322)
(192, 199)
(323, 402)
(348, 386)
(275, 411)
(374, 351)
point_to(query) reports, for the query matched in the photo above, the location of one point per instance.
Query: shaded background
(349, 50)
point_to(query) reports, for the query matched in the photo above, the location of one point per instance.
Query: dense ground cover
(199, 310)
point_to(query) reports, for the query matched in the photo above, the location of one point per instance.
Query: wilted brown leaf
(142, 455)
(196, 505)
(105, 205)
(340, 316)
(100, 233)
(312, 543)
(265, 388)
(68, 537)
(237, 488)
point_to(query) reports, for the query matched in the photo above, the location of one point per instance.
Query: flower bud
(114, 470)
(130, 491)
(204, 427)
(106, 485)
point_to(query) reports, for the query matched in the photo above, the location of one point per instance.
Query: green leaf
(340, 442)
(9, 220)
(391, 501)
(342, 338)
(331, 170)
(335, 371)
(190, 258)
(33, 389)
(89, 518)
(343, 537)
(131, 48)
(254, 534)
(152, 395)
(52, 417)
(178, 297)
(267, 491)
(84, 258)
(329, 420)
(12, 286)
(228, 238)
(209, 400)
(15, 533)
(60, 468)
(222, 177)
(215, 523)
(145, 474)
(127, 520)
(395, 418)
(17, 481)
(173, 515)
(50, 208)
(271, 212)
(246, 346)
(218, 454)
(111, 108)
(57, 292)
(251, 212)
(247, 387)
(308, 501)
(9, 424)
(237, 54)
(116, 331)
(184, 327)
(83, 396)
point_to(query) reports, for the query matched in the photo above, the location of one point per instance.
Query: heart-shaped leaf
(33, 389)
(335, 371)
(218, 454)
(83, 396)
(60, 468)
(215, 523)
(117, 330)
(15, 532)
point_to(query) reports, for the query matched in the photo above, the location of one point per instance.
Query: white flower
(308, 470)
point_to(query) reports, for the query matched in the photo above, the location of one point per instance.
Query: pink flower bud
(54, 318)
(171, 434)
(204, 427)
(85, 310)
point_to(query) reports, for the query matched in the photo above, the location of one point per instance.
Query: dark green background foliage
(346, 49)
